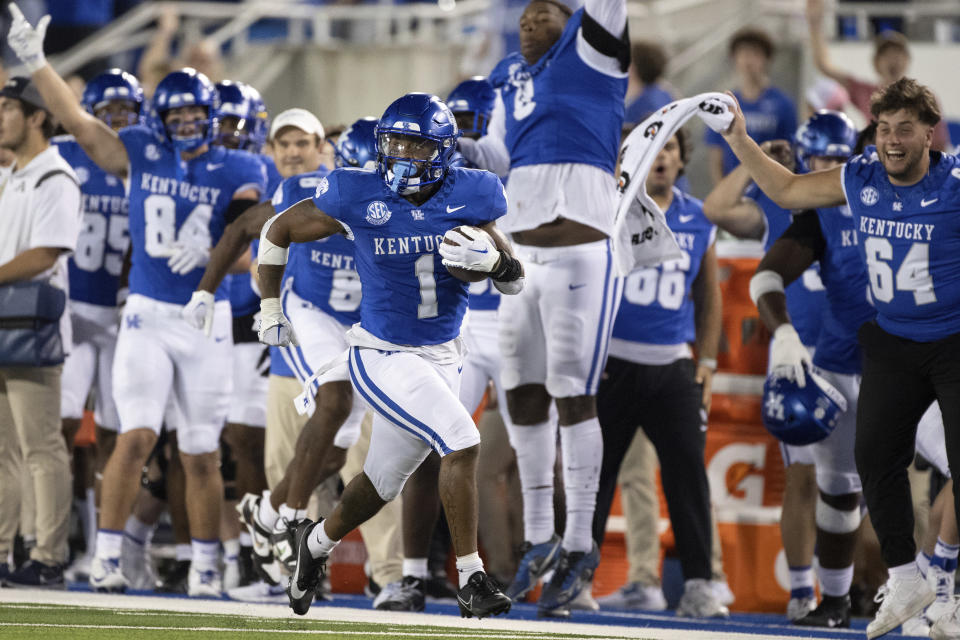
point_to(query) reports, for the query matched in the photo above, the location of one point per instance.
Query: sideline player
(405, 352)
(903, 198)
(562, 200)
(182, 194)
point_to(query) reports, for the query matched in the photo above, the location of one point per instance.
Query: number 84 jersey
(175, 203)
(910, 240)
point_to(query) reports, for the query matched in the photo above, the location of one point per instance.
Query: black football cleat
(308, 571)
(481, 597)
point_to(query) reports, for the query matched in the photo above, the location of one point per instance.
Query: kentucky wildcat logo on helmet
(416, 138)
(115, 97)
(827, 134)
(185, 88)
(801, 415)
(357, 145)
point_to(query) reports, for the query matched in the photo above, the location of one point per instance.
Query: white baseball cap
(299, 118)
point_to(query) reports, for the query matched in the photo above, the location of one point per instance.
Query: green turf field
(87, 623)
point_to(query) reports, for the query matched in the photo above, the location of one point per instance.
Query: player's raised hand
(187, 258)
(788, 355)
(27, 41)
(275, 328)
(737, 128)
(469, 248)
(199, 311)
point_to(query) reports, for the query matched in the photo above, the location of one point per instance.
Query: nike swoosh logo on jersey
(686, 219)
(574, 287)
(926, 203)
(452, 209)
(213, 167)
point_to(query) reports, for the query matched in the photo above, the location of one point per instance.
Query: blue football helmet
(180, 89)
(115, 85)
(801, 415)
(826, 134)
(234, 101)
(416, 138)
(357, 145)
(472, 99)
(261, 121)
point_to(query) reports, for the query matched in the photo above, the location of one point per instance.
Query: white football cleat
(106, 576)
(899, 601)
(635, 595)
(259, 592)
(947, 627)
(799, 607)
(942, 583)
(204, 584)
(699, 601)
(137, 566)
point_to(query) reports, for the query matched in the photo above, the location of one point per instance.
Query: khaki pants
(31, 444)
(381, 534)
(641, 508)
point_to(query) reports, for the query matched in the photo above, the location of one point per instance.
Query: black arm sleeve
(605, 42)
(805, 229)
(236, 208)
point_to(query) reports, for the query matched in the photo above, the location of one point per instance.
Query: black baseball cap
(23, 90)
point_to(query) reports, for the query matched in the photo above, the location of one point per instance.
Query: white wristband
(270, 306)
(709, 363)
(765, 282)
(270, 253)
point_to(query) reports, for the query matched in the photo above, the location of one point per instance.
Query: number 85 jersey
(910, 240)
(175, 203)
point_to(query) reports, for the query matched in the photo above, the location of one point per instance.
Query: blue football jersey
(910, 242)
(560, 109)
(484, 296)
(96, 264)
(848, 304)
(323, 271)
(273, 176)
(409, 297)
(805, 296)
(772, 116)
(175, 202)
(657, 306)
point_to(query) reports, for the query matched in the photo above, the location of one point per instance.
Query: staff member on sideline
(40, 221)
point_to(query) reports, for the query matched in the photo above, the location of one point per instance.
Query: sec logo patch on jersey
(869, 196)
(377, 212)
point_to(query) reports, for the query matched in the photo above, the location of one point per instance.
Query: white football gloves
(788, 355)
(275, 328)
(27, 41)
(186, 258)
(477, 253)
(199, 311)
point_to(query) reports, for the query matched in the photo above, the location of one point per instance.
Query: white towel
(640, 232)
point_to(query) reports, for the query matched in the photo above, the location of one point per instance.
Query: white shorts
(834, 456)
(556, 331)
(322, 339)
(482, 362)
(89, 364)
(159, 356)
(248, 403)
(417, 408)
(930, 439)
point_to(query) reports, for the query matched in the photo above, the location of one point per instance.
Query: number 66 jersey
(910, 240)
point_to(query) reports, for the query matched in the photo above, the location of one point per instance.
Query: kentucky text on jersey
(331, 260)
(105, 204)
(172, 187)
(896, 229)
(400, 246)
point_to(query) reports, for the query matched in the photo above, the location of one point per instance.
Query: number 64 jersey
(910, 240)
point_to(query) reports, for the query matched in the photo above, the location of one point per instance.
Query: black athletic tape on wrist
(509, 269)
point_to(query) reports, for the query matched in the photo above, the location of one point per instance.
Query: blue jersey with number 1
(409, 297)
(173, 203)
(910, 241)
(96, 264)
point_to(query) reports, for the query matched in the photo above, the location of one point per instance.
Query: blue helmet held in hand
(801, 415)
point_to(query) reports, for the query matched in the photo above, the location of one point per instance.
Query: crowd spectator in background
(158, 60)
(646, 92)
(769, 112)
(891, 59)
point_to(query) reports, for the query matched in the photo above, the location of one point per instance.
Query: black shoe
(308, 571)
(176, 579)
(573, 573)
(37, 575)
(480, 597)
(283, 543)
(248, 575)
(410, 594)
(833, 612)
(440, 588)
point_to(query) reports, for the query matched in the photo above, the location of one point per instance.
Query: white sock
(467, 566)
(245, 539)
(581, 445)
(319, 543)
(835, 582)
(266, 515)
(536, 448)
(290, 514)
(923, 563)
(801, 582)
(183, 552)
(138, 531)
(108, 544)
(206, 554)
(908, 571)
(231, 549)
(416, 567)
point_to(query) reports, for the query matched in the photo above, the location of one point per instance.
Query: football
(465, 274)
